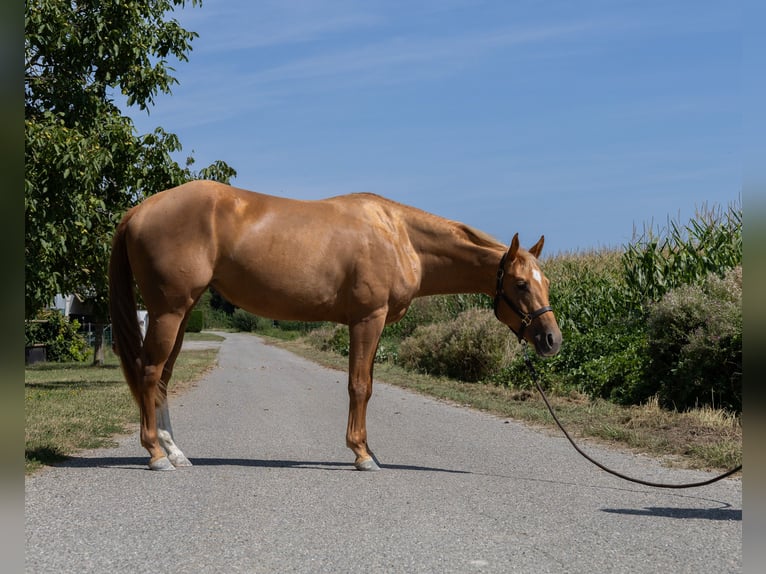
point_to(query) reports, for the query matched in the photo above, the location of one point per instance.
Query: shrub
(217, 319)
(298, 326)
(330, 337)
(470, 347)
(696, 344)
(196, 321)
(339, 341)
(59, 335)
(244, 321)
(608, 363)
(335, 338)
(433, 309)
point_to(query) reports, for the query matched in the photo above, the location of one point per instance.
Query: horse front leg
(364, 337)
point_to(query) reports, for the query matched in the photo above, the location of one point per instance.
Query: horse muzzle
(547, 341)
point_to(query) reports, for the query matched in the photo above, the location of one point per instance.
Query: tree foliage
(85, 165)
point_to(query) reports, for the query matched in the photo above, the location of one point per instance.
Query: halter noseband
(526, 318)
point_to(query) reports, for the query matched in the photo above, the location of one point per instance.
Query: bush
(470, 347)
(296, 326)
(335, 338)
(244, 321)
(196, 321)
(609, 363)
(217, 319)
(59, 335)
(433, 309)
(330, 337)
(696, 344)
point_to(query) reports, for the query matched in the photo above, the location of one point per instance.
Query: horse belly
(275, 288)
(265, 301)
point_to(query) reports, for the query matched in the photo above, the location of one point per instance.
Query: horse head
(521, 298)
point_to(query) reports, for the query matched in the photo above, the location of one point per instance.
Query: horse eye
(522, 285)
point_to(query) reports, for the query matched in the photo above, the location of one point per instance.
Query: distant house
(78, 307)
(63, 303)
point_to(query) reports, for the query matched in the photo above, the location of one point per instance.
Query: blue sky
(577, 120)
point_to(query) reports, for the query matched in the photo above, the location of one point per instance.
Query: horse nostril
(551, 340)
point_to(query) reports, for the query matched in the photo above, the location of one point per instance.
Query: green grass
(203, 336)
(75, 406)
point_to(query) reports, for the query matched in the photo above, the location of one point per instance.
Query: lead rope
(536, 380)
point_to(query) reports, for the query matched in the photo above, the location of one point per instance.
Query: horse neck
(455, 259)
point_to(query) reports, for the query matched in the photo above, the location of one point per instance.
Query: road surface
(274, 489)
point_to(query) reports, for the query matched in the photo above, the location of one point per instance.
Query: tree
(85, 165)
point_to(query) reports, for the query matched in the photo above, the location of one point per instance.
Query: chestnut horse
(355, 259)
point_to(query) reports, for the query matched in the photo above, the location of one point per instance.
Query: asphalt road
(273, 489)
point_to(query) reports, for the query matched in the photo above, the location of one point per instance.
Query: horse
(357, 259)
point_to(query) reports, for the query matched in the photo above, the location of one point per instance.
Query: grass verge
(702, 438)
(75, 406)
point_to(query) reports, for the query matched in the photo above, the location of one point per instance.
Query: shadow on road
(724, 513)
(139, 463)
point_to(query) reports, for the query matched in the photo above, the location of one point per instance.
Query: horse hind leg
(165, 435)
(164, 428)
(159, 345)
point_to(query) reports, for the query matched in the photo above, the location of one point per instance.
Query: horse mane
(475, 236)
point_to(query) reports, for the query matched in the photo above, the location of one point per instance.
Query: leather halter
(526, 318)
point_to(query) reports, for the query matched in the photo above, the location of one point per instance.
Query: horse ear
(537, 247)
(513, 248)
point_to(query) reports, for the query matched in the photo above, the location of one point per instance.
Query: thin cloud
(272, 24)
(406, 59)
(225, 88)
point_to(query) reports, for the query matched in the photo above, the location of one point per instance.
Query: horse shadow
(139, 463)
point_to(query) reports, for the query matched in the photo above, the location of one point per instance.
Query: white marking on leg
(165, 436)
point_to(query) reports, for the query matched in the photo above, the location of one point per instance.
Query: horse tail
(126, 333)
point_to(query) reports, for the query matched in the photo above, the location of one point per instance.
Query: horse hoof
(161, 464)
(368, 464)
(179, 460)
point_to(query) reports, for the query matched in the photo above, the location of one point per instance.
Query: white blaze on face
(536, 276)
